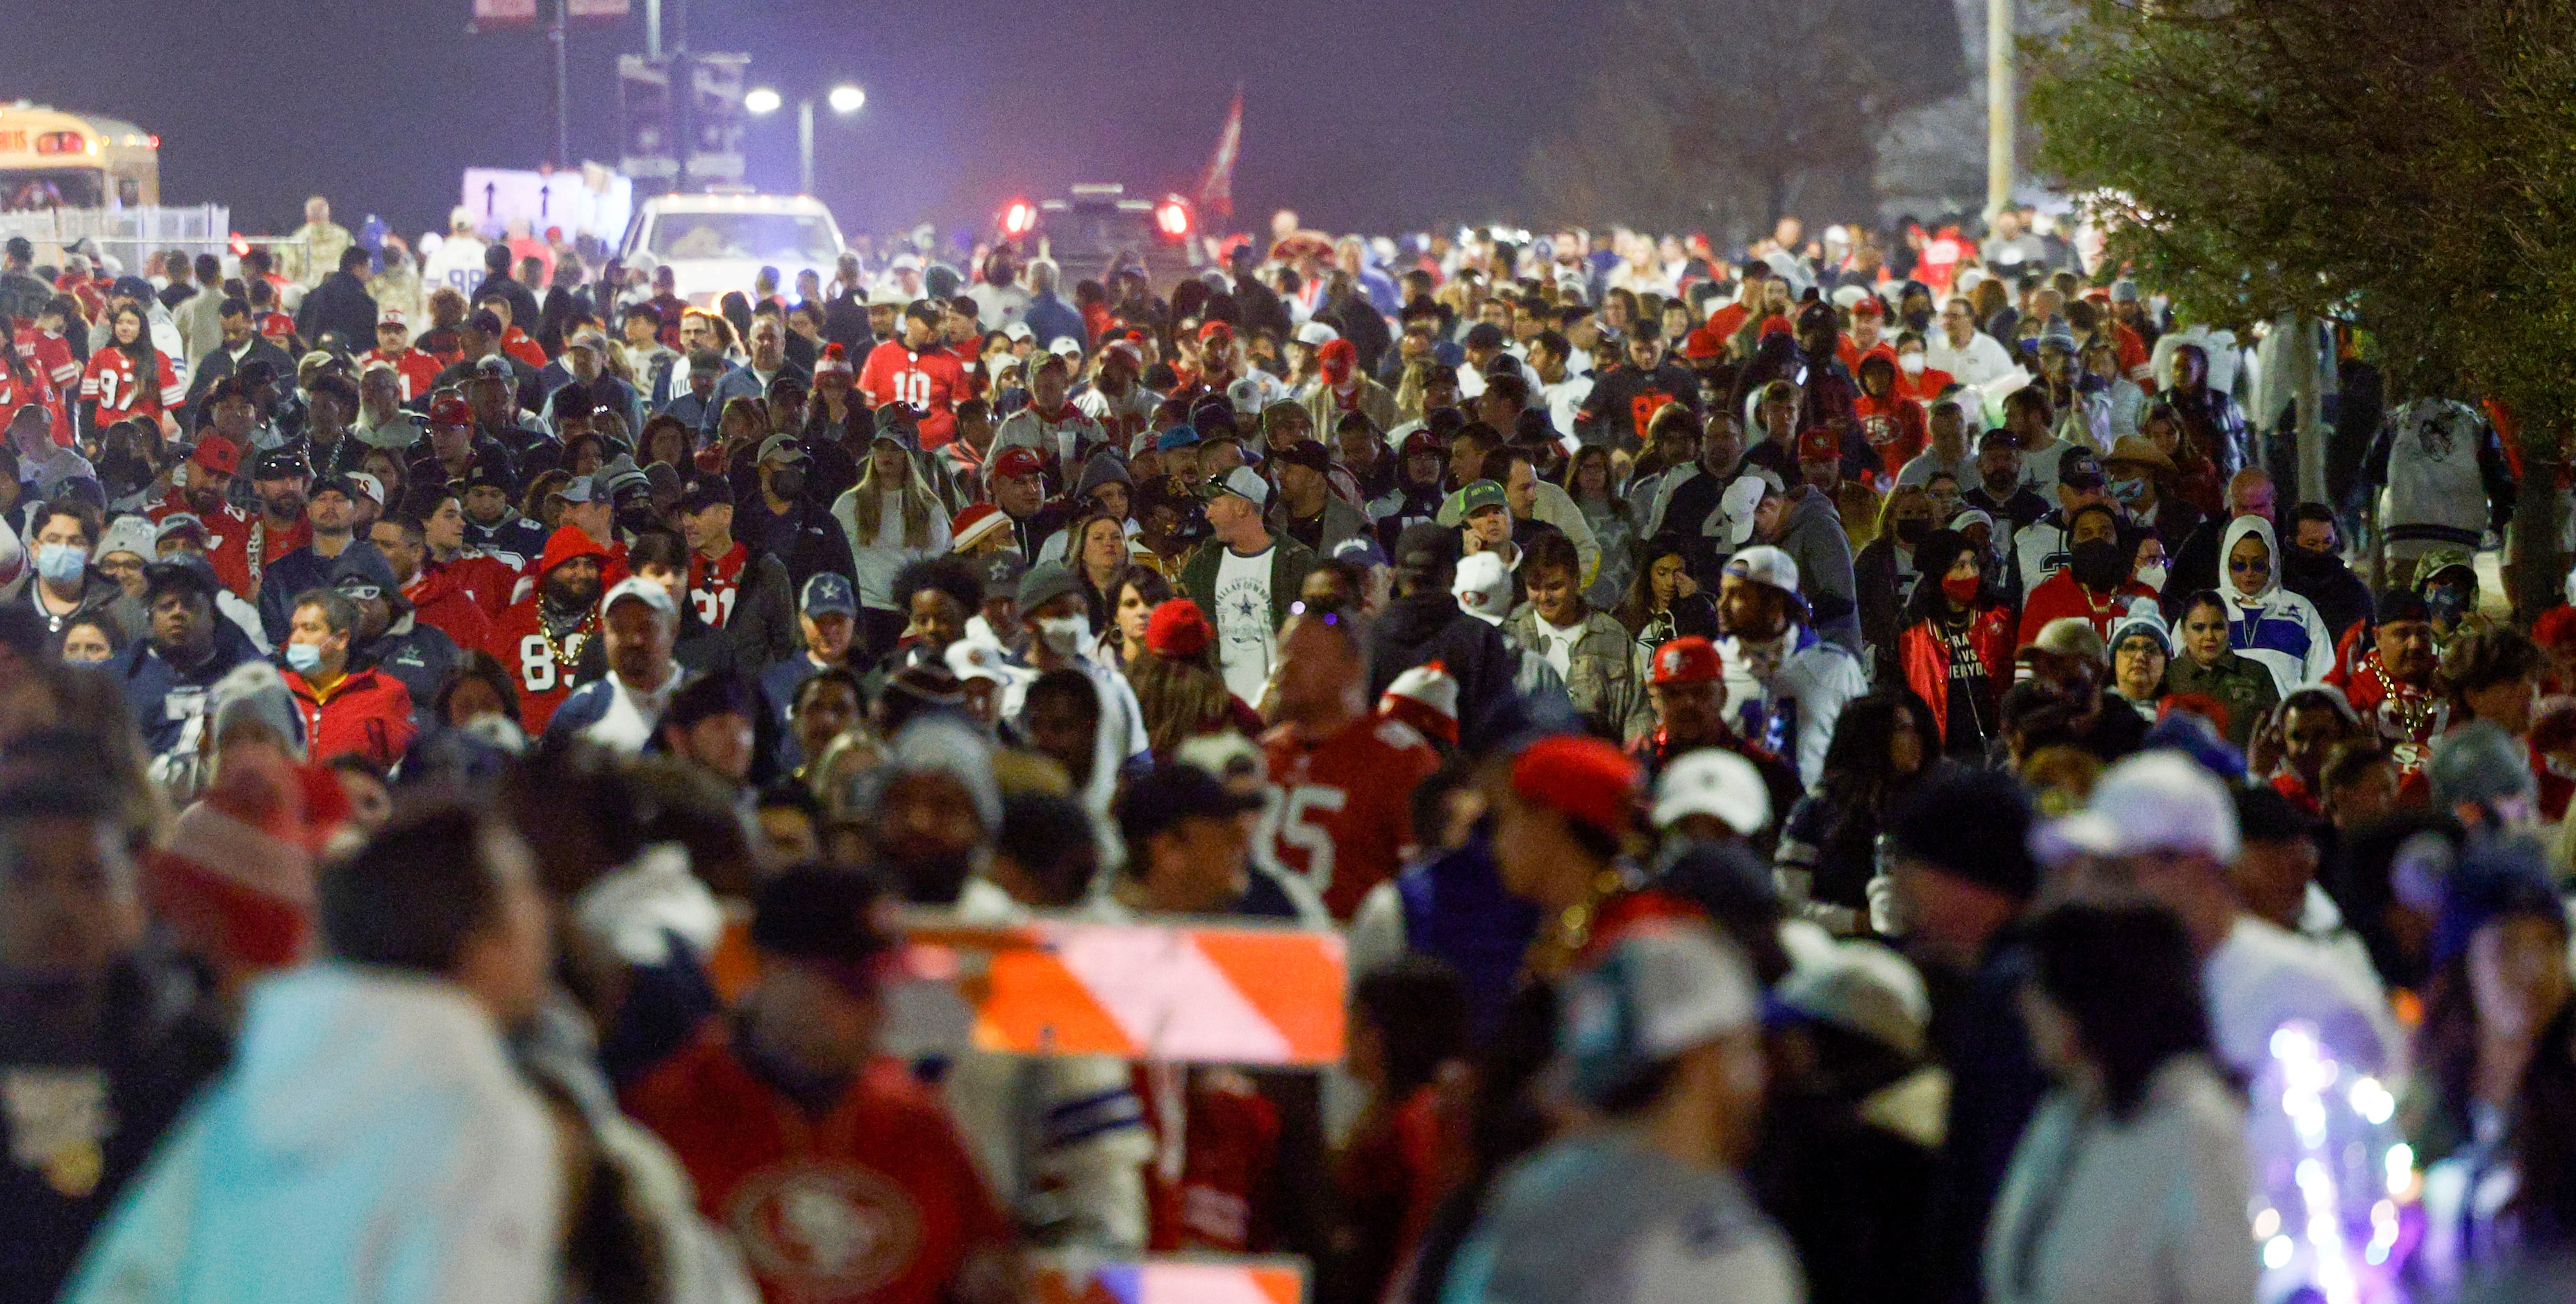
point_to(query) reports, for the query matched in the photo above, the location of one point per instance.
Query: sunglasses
(2258, 566)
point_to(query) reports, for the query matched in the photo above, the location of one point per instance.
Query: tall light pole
(844, 99)
(2000, 106)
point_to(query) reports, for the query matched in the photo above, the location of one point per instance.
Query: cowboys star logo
(832, 1231)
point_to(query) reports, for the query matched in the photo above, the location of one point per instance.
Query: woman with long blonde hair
(892, 518)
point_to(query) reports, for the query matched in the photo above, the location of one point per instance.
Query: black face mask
(1911, 531)
(1920, 321)
(2097, 565)
(787, 481)
(930, 878)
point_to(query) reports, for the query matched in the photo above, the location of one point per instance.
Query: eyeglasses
(2241, 566)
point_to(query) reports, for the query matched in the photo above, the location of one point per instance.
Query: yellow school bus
(50, 159)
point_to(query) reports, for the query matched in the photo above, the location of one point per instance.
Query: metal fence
(129, 235)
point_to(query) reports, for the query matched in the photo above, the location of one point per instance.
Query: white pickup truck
(718, 242)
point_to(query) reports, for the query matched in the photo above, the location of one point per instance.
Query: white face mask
(2152, 576)
(1066, 636)
(1910, 363)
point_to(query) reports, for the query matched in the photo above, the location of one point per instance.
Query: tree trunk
(2535, 560)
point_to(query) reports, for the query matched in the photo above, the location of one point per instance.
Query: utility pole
(2000, 106)
(562, 88)
(652, 29)
(684, 92)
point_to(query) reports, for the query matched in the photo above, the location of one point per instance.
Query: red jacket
(1205, 1188)
(368, 714)
(1925, 659)
(875, 1200)
(440, 600)
(2059, 595)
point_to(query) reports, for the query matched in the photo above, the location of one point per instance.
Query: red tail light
(1018, 217)
(1173, 218)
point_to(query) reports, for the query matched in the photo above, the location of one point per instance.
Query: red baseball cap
(1338, 356)
(1774, 325)
(1689, 659)
(217, 454)
(451, 411)
(1819, 444)
(1869, 306)
(1178, 629)
(1016, 462)
(1215, 330)
(1582, 778)
(1703, 343)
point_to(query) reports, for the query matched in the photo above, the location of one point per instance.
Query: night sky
(1360, 115)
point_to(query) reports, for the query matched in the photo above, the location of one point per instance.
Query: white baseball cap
(1717, 783)
(1765, 565)
(1483, 587)
(1245, 395)
(1018, 330)
(1738, 502)
(1864, 988)
(2153, 801)
(1245, 483)
(649, 592)
(1066, 346)
(1315, 334)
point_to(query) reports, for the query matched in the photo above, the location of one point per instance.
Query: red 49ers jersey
(414, 370)
(540, 664)
(929, 382)
(713, 585)
(16, 393)
(1347, 806)
(111, 382)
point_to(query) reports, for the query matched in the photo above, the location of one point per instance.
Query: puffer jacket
(1925, 660)
(1600, 674)
(368, 714)
(2273, 625)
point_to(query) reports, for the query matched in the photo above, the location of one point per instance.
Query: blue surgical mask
(303, 658)
(2129, 491)
(61, 563)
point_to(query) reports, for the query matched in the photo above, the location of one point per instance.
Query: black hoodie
(1430, 626)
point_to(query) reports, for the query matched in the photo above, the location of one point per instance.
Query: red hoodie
(366, 714)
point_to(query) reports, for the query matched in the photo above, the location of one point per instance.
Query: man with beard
(1625, 399)
(332, 514)
(1686, 686)
(493, 525)
(494, 396)
(278, 480)
(1051, 426)
(545, 640)
(1785, 686)
(2392, 686)
(937, 808)
(639, 620)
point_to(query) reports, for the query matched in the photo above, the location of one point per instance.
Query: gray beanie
(254, 692)
(2478, 762)
(1105, 467)
(944, 744)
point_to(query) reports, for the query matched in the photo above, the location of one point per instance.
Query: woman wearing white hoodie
(891, 518)
(2266, 622)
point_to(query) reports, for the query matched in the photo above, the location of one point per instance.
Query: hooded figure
(1811, 532)
(2266, 622)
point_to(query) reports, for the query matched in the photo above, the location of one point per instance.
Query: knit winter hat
(236, 880)
(1425, 697)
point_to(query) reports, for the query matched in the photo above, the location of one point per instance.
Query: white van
(718, 242)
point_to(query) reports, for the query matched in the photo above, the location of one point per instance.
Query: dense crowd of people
(1837, 772)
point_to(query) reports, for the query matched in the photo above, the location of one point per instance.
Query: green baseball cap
(1476, 496)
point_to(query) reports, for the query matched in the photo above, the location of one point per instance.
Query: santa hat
(835, 358)
(974, 524)
(1425, 697)
(237, 878)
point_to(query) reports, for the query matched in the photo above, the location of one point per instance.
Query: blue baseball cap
(1176, 437)
(828, 594)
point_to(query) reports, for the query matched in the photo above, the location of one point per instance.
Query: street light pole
(805, 146)
(563, 85)
(1999, 106)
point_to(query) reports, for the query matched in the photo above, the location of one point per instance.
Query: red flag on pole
(1216, 189)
